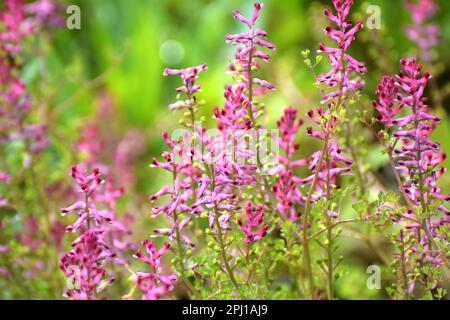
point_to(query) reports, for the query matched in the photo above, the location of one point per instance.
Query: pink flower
(288, 196)
(102, 235)
(152, 287)
(339, 80)
(248, 50)
(84, 265)
(128, 150)
(254, 229)
(154, 255)
(388, 105)
(233, 116)
(188, 76)
(4, 177)
(153, 284)
(85, 208)
(286, 187)
(289, 126)
(425, 35)
(89, 144)
(338, 164)
(14, 28)
(418, 158)
(46, 13)
(29, 235)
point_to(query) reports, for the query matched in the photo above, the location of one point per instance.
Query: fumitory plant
(272, 189)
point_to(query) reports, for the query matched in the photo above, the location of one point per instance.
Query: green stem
(330, 267)
(267, 189)
(307, 264)
(220, 239)
(181, 253)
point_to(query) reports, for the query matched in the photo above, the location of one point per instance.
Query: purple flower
(4, 177)
(103, 236)
(84, 266)
(46, 13)
(425, 35)
(153, 254)
(286, 187)
(85, 208)
(249, 50)
(128, 150)
(90, 145)
(418, 158)
(15, 109)
(233, 116)
(388, 105)
(289, 126)
(288, 196)
(339, 80)
(337, 165)
(153, 284)
(188, 76)
(254, 228)
(180, 194)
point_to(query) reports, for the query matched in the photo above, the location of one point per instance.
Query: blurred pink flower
(424, 34)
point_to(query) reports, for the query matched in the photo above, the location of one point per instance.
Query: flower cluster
(418, 158)
(286, 187)
(15, 101)
(85, 208)
(325, 166)
(189, 88)
(46, 14)
(229, 224)
(84, 266)
(85, 263)
(90, 148)
(387, 106)
(339, 80)
(248, 52)
(178, 164)
(424, 34)
(153, 284)
(238, 118)
(254, 229)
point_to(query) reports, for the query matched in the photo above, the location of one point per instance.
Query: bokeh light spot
(171, 52)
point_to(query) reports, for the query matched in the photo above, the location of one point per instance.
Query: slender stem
(306, 251)
(179, 241)
(353, 154)
(411, 205)
(306, 254)
(330, 266)
(404, 274)
(220, 239)
(267, 189)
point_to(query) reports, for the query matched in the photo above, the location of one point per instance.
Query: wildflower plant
(416, 160)
(246, 206)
